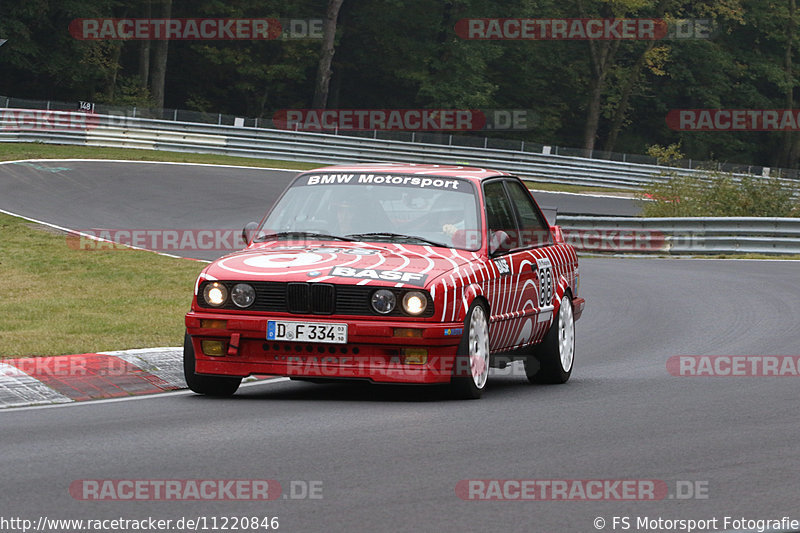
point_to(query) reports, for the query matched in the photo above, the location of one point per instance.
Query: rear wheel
(472, 362)
(553, 359)
(209, 385)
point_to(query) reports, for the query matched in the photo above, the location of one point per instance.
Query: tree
(322, 84)
(158, 74)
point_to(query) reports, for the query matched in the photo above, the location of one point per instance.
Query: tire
(208, 385)
(554, 358)
(318, 381)
(471, 368)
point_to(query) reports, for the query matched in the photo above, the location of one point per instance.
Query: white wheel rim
(479, 347)
(566, 334)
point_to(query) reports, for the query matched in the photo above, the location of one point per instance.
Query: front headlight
(414, 303)
(383, 301)
(215, 294)
(243, 295)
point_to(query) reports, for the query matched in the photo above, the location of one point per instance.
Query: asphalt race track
(389, 458)
(88, 195)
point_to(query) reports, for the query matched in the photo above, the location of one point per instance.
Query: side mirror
(248, 231)
(500, 241)
(558, 234)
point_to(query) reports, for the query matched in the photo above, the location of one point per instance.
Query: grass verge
(58, 300)
(578, 189)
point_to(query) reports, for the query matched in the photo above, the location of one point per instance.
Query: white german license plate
(280, 330)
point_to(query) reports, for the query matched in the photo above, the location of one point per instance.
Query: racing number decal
(544, 281)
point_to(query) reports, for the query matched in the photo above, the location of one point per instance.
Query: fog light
(408, 332)
(213, 348)
(214, 324)
(415, 356)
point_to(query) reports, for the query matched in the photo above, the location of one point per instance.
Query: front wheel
(209, 385)
(472, 362)
(552, 361)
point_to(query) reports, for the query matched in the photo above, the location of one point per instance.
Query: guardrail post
(175, 116)
(450, 140)
(48, 105)
(486, 142)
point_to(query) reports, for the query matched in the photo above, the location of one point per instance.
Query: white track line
(150, 162)
(94, 238)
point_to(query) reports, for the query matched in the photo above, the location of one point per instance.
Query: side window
(499, 212)
(535, 231)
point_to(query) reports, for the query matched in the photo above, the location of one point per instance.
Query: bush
(716, 194)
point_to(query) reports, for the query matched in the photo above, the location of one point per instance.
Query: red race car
(393, 274)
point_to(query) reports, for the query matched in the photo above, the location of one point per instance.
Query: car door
(536, 241)
(512, 290)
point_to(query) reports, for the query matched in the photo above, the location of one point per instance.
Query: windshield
(371, 207)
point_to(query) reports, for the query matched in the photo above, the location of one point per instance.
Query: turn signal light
(408, 332)
(213, 324)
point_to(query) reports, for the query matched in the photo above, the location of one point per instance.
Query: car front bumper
(382, 351)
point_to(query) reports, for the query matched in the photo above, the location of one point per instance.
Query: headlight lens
(414, 303)
(215, 294)
(243, 295)
(383, 301)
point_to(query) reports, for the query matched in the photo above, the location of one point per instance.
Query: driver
(346, 216)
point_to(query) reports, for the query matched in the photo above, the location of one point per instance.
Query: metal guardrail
(691, 235)
(416, 137)
(129, 132)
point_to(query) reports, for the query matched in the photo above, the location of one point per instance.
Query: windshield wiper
(386, 235)
(306, 234)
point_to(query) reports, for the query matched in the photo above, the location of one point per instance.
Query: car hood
(338, 262)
